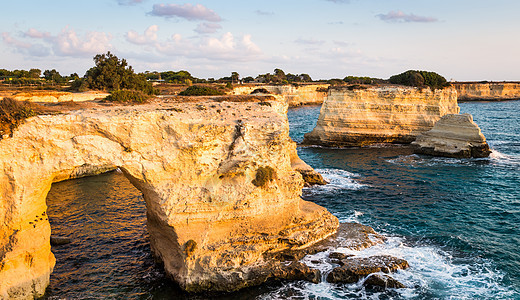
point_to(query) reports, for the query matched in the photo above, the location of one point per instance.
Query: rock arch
(194, 163)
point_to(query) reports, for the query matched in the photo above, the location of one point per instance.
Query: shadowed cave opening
(109, 254)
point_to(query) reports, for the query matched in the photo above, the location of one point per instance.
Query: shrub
(199, 90)
(190, 247)
(126, 96)
(260, 91)
(420, 79)
(13, 113)
(263, 176)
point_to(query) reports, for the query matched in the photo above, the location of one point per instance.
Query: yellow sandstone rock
(468, 91)
(388, 114)
(193, 162)
(295, 95)
(453, 136)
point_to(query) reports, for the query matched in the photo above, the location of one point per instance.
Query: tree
(235, 77)
(112, 73)
(420, 79)
(35, 73)
(52, 75)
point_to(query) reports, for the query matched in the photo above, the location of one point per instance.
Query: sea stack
(453, 136)
(362, 116)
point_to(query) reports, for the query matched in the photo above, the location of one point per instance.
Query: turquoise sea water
(457, 221)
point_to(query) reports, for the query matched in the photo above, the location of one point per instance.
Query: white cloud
(187, 11)
(65, 43)
(399, 16)
(225, 48)
(264, 13)
(310, 41)
(204, 28)
(68, 43)
(149, 36)
(129, 2)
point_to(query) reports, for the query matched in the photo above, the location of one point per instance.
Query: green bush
(263, 176)
(260, 91)
(420, 79)
(125, 96)
(13, 113)
(199, 90)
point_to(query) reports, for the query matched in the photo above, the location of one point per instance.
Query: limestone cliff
(388, 114)
(453, 136)
(55, 96)
(490, 91)
(295, 95)
(216, 177)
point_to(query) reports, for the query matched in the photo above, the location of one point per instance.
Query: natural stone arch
(194, 164)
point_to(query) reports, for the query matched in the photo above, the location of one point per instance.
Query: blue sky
(460, 39)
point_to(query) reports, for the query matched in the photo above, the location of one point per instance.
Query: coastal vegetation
(420, 79)
(127, 96)
(201, 90)
(13, 113)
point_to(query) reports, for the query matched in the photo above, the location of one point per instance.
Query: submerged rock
(60, 240)
(453, 136)
(354, 269)
(379, 281)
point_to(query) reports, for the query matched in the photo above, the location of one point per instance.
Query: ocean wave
(337, 180)
(433, 273)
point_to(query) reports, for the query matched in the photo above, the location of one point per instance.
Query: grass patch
(263, 176)
(13, 113)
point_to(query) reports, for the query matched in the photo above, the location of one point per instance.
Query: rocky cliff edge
(216, 177)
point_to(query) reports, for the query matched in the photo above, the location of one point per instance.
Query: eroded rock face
(195, 164)
(453, 136)
(491, 91)
(295, 95)
(362, 117)
(54, 96)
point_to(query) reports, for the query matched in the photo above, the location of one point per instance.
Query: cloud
(65, 43)
(399, 16)
(310, 41)
(204, 28)
(225, 48)
(187, 11)
(129, 2)
(149, 36)
(264, 13)
(34, 33)
(339, 1)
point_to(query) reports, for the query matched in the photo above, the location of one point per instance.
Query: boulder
(379, 281)
(455, 136)
(354, 269)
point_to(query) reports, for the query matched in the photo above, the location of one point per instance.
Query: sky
(460, 39)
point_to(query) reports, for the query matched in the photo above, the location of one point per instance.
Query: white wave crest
(432, 273)
(337, 180)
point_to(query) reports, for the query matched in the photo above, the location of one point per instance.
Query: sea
(456, 221)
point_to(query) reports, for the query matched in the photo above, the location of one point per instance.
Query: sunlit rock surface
(453, 136)
(211, 216)
(388, 114)
(489, 91)
(295, 95)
